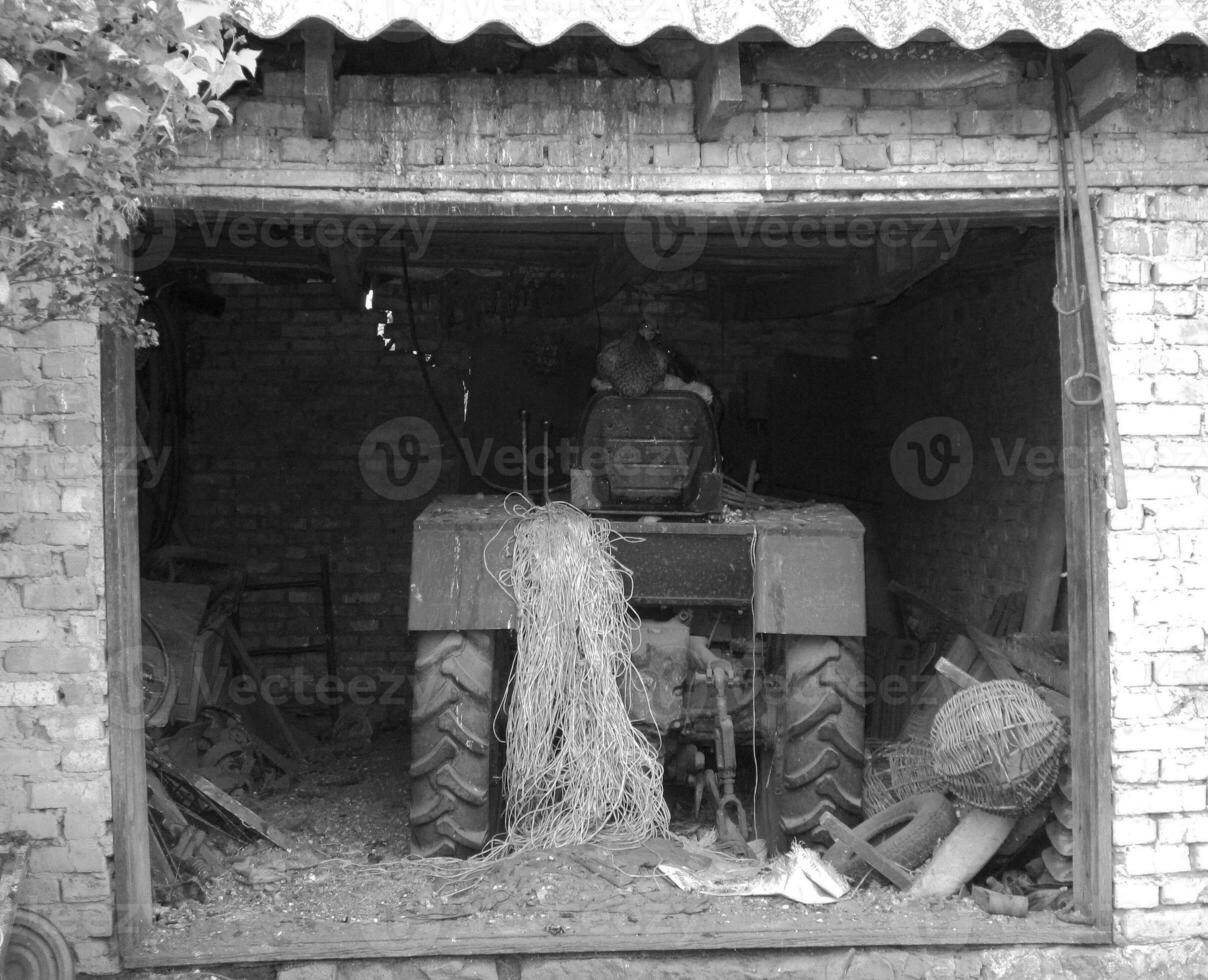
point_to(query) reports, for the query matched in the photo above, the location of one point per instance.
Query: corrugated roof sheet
(1141, 24)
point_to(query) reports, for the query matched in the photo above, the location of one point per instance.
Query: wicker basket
(894, 771)
(997, 746)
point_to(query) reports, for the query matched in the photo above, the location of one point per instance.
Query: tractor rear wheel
(454, 753)
(820, 768)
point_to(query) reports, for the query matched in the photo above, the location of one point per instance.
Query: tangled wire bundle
(577, 770)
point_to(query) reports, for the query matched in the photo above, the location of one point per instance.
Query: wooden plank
(1047, 560)
(123, 638)
(1024, 655)
(958, 677)
(1103, 80)
(957, 925)
(274, 728)
(224, 800)
(986, 644)
(718, 91)
(1090, 669)
(893, 872)
(318, 86)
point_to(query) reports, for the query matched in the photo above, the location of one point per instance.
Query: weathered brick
(760, 153)
(1135, 894)
(23, 433)
(1152, 859)
(885, 122)
(1183, 331)
(1136, 767)
(816, 121)
(1156, 925)
(298, 149)
(1160, 420)
(1014, 150)
(521, 153)
(39, 826)
(850, 97)
(1181, 302)
(39, 889)
(813, 153)
(85, 888)
(1182, 453)
(1134, 830)
(1181, 670)
(1160, 798)
(52, 531)
(864, 156)
(931, 122)
(28, 693)
(70, 793)
(67, 594)
(86, 759)
(78, 856)
(1176, 207)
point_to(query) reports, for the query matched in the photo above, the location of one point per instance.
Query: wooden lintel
(718, 91)
(318, 87)
(1103, 80)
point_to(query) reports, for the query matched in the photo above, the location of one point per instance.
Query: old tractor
(749, 646)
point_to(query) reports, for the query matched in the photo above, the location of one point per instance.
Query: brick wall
(54, 754)
(982, 351)
(1154, 244)
(626, 138)
(621, 139)
(282, 390)
(284, 387)
(631, 135)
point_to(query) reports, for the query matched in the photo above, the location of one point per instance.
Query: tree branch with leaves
(94, 97)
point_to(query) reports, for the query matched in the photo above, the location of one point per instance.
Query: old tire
(36, 950)
(906, 833)
(453, 750)
(821, 768)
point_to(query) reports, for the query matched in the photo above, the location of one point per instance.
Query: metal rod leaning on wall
(1068, 128)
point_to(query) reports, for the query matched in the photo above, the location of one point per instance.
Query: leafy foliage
(94, 95)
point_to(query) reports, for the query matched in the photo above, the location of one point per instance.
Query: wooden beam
(1103, 80)
(123, 638)
(1090, 667)
(318, 86)
(718, 91)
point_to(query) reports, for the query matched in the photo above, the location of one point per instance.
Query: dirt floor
(348, 883)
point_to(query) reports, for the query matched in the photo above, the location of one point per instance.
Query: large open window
(902, 360)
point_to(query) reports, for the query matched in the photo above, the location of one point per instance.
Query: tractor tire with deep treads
(822, 769)
(453, 750)
(906, 833)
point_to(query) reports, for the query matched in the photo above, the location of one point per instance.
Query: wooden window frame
(1090, 700)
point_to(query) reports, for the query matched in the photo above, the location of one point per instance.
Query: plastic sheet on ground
(799, 874)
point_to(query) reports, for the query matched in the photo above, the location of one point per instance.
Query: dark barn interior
(306, 401)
